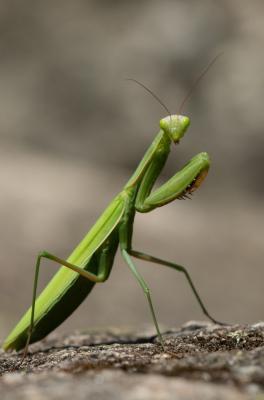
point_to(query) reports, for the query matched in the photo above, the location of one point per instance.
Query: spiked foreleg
(185, 181)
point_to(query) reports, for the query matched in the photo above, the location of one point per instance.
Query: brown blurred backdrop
(72, 130)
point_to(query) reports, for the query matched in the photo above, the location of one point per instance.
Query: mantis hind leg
(146, 291)
(180, 268)
(101, 276)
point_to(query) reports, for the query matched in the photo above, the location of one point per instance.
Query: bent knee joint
(144, 208)
(101, 278)
(43, 253)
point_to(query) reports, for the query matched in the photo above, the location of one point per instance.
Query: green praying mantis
(92, 260)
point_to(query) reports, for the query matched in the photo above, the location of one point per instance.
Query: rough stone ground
(201, 361)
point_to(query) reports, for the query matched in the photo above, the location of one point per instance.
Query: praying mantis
(92, 260)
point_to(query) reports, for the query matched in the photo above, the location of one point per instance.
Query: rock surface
(200, 361)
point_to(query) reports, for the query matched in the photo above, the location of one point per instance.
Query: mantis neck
(140, 184)
(156, 155)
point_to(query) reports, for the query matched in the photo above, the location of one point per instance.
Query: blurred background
(72, 131)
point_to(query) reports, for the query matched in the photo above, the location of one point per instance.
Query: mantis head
(175, 126)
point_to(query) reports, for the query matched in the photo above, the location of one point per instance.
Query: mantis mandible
(92, 260)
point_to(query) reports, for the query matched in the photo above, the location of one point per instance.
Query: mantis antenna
(189, 93)
(151, 92)
(197, 80)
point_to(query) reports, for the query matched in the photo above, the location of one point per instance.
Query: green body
(95, 254)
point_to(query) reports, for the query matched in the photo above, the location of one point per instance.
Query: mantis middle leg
(146, 291)
(169, 191)
(180, 268)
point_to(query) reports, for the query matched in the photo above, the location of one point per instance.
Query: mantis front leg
(184, 182)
